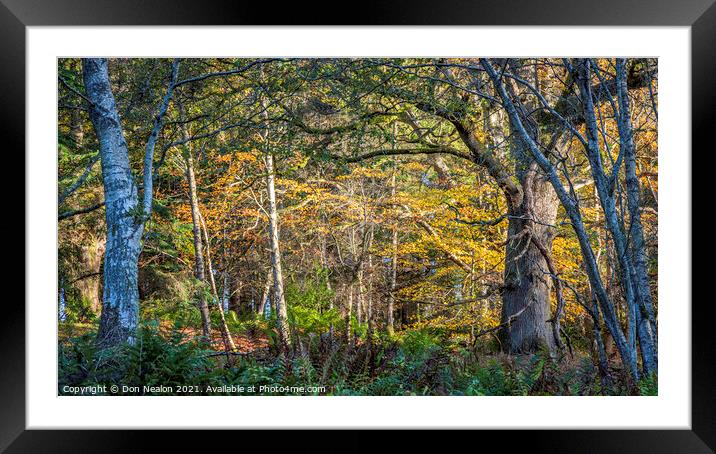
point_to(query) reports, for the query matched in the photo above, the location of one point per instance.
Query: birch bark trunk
(120, 311)
(125, 215)
(265, 294)
(279, 297)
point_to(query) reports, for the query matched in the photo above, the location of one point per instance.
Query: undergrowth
(413, 362)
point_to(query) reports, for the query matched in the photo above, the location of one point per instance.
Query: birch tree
(126, 214)
(279, 299)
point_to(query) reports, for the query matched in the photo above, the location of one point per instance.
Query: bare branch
(228, 73)
(69, 214)
(406, 151)
(79, 181)
(152, 140)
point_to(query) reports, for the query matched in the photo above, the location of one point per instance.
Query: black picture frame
(16, 15)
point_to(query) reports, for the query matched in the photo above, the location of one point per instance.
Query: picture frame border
(700, 15)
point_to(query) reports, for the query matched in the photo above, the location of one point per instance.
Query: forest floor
(413, 362)
(245, 344)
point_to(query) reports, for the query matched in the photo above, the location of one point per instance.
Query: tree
(187, 154)
(125, 216)
(605, 184)
(279, 299)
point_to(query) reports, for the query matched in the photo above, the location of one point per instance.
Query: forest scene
(357, 226)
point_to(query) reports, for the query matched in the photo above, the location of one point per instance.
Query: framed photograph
(419, 216)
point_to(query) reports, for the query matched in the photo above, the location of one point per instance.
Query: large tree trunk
(532, 210)
(120, 311)
(527, 284)
(572, 208)
(526, 296)
(125, 216)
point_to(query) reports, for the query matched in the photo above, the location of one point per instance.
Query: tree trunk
(62, 311)
(349, 313)
(325, 265)
(234, 302)
(601, 352)
(233, 295)
(120, 310)
(393, 262)
(225, 292)
(369, 316)
(572, 208)
(89, 288)
(646, 317)
(265, 295)
(77, 128)
(360, 302)
(279, 298)
(527, 284)
(125, 216)
(638, 323)
(196, 231)
(223, 327)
